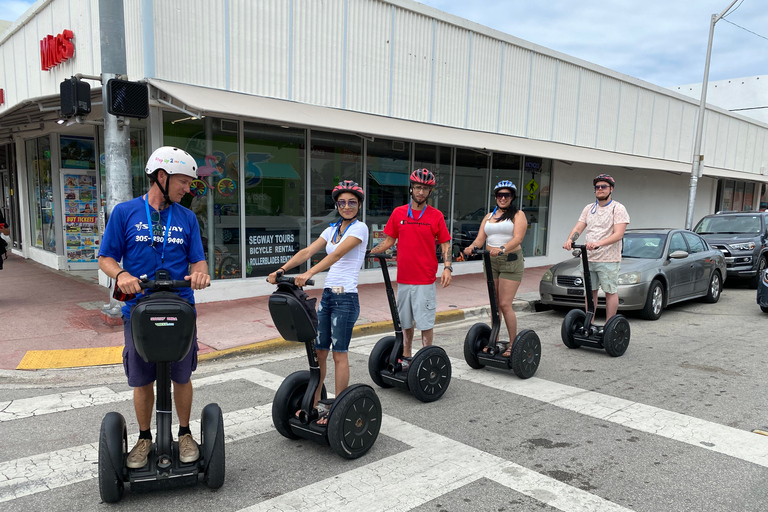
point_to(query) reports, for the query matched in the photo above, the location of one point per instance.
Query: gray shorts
(605, 275)
(416, 304)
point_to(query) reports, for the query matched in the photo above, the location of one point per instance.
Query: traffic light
(127, 99)
(75, 97)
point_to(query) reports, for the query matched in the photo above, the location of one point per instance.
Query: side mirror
(678, 255)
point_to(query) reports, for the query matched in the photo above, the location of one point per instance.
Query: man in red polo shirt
(416, 227)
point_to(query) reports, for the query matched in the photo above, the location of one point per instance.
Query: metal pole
(117, 148)
(697, 156)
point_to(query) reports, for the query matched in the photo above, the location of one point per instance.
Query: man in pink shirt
(604, 223)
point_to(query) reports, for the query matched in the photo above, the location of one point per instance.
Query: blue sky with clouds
(661, 41)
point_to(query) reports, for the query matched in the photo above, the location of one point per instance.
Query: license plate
(575, 291)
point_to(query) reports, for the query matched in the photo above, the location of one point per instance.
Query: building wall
(747, 96)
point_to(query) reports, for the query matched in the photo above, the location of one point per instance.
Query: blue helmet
(505, 184)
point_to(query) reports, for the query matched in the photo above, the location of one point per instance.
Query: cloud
(661, 42)
(13, 9)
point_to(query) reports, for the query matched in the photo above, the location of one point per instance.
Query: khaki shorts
(417, 305)
(508, 266)
(605, 275)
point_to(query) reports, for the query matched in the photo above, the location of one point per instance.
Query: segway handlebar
(162, 282)
(381, 256)
(282, 278)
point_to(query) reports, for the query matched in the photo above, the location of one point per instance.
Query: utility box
(75, 97)
(127, 99)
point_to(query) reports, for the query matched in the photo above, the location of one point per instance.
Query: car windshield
(643, 245)
(729, 225)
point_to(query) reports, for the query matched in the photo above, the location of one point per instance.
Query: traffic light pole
(117, 146)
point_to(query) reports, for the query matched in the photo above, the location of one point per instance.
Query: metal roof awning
(201, 101)
(392, 179)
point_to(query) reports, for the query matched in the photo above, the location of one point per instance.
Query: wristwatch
(448, 268)
(502, 250)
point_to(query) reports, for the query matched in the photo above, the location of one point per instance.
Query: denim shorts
(140, 373)
(605, 275)
(416, 305)
(336, 318)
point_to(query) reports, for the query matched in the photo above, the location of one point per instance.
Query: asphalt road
(666, 427)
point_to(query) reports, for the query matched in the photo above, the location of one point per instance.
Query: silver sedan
(658, 267)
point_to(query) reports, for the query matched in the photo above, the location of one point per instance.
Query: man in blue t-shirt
(149, 233)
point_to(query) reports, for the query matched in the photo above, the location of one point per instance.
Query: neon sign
(55, 50)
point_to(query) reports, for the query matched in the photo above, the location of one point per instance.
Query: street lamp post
(697, 156)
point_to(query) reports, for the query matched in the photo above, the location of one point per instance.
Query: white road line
(435, 466)
(704, 434)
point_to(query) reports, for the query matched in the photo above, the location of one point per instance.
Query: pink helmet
(348, 186)
(423, 177)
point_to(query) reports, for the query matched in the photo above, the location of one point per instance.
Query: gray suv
(741, 237)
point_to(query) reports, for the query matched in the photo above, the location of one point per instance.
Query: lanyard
(338, 226)
(594, 206)
(152, 231)
(410, 212)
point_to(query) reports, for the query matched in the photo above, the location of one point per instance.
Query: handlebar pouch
(163, 327)
(512, 256)
(293, 313)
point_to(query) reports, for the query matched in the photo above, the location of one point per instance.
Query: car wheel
(654, 303)
(760, 270)
(715, 287)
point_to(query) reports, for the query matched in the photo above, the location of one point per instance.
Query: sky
(660, 41)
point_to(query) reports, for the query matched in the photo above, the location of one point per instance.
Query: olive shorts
(605, 275)
(508, 266)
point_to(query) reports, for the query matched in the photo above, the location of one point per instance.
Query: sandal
(322, 421)
(507, 352)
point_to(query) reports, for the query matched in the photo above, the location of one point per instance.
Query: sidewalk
(52, 319)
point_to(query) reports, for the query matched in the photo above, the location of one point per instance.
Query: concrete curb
(278, 344)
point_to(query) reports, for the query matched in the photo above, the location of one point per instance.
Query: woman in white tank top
(503, 230)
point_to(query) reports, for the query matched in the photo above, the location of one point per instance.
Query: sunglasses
(343, 204)
(601, 187)
(503, 195)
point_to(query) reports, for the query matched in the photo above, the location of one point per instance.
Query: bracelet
(448, 268)
(281, 268)
(118, 274)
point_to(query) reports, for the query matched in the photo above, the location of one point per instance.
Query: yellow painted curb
(260, 346)
(70, 358)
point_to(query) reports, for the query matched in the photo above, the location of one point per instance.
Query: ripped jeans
(336, 316)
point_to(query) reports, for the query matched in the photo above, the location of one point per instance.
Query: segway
(578, 329)
(480, 352)
(426, 375)
(354, 417)
(163, 328)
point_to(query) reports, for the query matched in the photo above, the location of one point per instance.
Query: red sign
(55, 50)
(2, 97)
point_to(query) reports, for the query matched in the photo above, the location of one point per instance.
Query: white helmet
(173, 161)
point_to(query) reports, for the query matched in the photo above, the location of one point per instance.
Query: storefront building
(366, 90)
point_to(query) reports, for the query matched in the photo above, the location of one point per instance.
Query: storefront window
(215, 198)
(749, 196)
(334, 158)
(534, 197)
(275, 196)
(470, 198)
(41, 201)
(81, 203)
(438, 160)
(388, 164)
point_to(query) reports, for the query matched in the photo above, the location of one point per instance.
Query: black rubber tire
(216, 467)
(761, 265)
(526, 354)
(110, 479)
(715, 288)
(573, 321)
(379, 359)
(654, 302)
(429, 374)
(354, 423)
(764, 309)
(616, 336)
(228, 268)
(477, 338)
(288, 400)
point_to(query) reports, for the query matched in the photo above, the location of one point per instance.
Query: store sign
(56, 49)
(268, 249)
(2, 97)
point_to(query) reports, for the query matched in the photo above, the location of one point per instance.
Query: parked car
(658, 267)
(762, 292)
(741, 237)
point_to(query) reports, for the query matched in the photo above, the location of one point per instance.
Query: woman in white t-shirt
(345, 243)
(503, 230)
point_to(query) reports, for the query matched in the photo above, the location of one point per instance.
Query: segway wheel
(354, 423)
(616, 336)
(573, 321)
(215, 469)
(288, 400)
(379, 359)
(113, 447)
(477, 338)
(526, 353)
(429, 374)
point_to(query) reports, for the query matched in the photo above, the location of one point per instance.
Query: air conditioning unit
(398, 145)
(229, 126)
